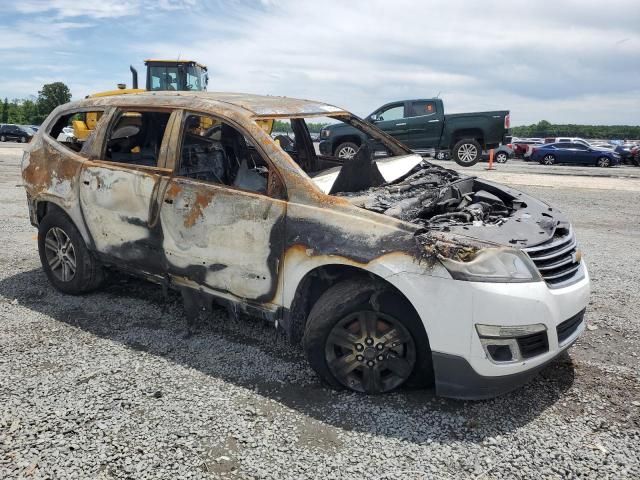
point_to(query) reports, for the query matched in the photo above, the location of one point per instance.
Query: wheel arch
(44, 204)
(346, 138)
(471, 133)
(318, 280)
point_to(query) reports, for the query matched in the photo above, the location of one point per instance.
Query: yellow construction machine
(162, 75)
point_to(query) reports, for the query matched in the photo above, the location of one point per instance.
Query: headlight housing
(497, 265)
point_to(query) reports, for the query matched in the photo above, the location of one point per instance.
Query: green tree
(52, 95)
(5, 111)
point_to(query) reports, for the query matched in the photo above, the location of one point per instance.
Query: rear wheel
(23, 140)
(502, 157)
(67, 262)
(3, 138)
(467, 152)
(441, 155)
(362, 336)
(346, 150)
(603, 162)
(548, 159)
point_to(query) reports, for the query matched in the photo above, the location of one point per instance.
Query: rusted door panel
(226, 240)
(116, 203)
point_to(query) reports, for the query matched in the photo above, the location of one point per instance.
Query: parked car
(635, 156)
(390, 271)
(522, 147)
(574, 153)
(14, 133)
(66, 135)
(500, 154)
(422, 125)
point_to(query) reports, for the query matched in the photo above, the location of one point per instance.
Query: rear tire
(346, 150)
(548, 159)
(67, 262)
(603, 162)
(467, 152)
(362, 336)
(3, 138)
(23, 140)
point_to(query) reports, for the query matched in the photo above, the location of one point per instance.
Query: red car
(523, 148)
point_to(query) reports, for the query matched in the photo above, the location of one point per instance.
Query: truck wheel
(361, 336)
(502, 157)
(69, 265)
(467, 152)
(346, 150)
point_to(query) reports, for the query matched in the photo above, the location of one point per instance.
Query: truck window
(420, 108)
(393, 112)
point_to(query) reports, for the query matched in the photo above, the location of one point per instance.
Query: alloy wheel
(346, 153)
(548, 160)
(603, 162)
(501, 157)
(370, 352)
(60, 254)
(467, 153)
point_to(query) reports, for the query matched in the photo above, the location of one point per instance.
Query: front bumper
(473, 375)
(450, 309)
(325, 147)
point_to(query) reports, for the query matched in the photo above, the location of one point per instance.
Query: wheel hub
(370, 352)
(60, 254)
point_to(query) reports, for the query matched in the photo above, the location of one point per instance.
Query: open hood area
(439, 199)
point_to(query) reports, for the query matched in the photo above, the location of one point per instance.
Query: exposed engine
(436, 198)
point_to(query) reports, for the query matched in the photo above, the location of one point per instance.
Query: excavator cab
(176, 75)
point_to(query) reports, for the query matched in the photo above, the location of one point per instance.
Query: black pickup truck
(423, 125)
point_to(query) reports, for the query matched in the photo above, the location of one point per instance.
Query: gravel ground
(108, 386)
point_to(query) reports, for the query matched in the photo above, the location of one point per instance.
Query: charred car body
(390, 271)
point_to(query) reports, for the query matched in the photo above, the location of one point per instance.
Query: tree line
(546, 129)
(33, 110)
(280, 126)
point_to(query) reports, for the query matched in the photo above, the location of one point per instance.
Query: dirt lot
(107, 386)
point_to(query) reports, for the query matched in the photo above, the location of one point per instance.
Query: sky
(565, 61)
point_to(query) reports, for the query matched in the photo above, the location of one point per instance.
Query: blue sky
(566, 61)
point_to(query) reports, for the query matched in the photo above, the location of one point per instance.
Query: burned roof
(257, 106)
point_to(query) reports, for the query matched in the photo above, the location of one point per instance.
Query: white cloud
(570, 60)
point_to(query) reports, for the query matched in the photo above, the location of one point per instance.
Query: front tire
(467, 152)
(360, 335)
(548, 159)
(67, 262)
(23, 140)
(603, 162)
(346, 150)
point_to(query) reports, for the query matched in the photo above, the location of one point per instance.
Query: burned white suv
(390, 270)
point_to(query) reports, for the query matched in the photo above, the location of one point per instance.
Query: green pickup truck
(422, 125)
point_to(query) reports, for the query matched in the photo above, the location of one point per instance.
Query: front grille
(556, 258)
(533, 345)
(568, 327)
